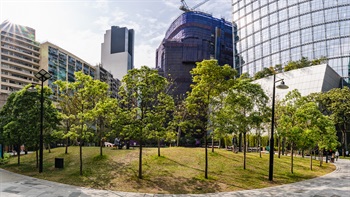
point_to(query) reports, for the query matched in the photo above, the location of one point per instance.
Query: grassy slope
(178, 170)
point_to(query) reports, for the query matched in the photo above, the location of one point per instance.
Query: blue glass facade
(191, 38)
(278, 31)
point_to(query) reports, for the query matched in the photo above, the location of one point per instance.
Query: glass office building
(278, 31)
(193, 37)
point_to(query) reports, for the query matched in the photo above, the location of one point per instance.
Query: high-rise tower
(193, 37)
(20, 56)
(278, 31)
(117, 51)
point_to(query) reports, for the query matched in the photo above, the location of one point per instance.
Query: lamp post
(42, 75)
(272, 153)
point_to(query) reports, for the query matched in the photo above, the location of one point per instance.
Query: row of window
(241, 9)
(292, 39)
(329, 48)
(295, 23)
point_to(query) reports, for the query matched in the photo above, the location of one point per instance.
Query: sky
(78, 26)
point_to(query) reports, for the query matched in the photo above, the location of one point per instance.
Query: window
(250, 29)
(305, 20)
(258, 51)
(266, 48)
(294, 24)
(272, 7)
(256, 26)
(304, 7)
(274, 31)
(273, 18)
(295, 54)
(319, 32)
(331, 15)
(317, 17)
(266, 61)
(282, 4)
(316, 5)
(293, 11)
(283, 26)
(306, 35)
(333, 47)
(345, 43)
(257, 37)
(307, 51)
(274, 45)
(285, 56)
(283, 14)
(264, 22)
(285, 42)
(344, 12)
(332, 30)
(256, 15)
(256, 5)
(265, 34)
(275, 59)
(295, 39)
(264, 11)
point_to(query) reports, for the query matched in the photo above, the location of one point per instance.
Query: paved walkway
(335, 184)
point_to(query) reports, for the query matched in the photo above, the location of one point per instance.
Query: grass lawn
(177, 171)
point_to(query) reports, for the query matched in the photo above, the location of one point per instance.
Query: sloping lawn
(177, 171)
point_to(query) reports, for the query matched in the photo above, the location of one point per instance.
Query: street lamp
(42, 75)
(272, 153)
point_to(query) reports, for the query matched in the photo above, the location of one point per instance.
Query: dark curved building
(191, 38)
(278, 31)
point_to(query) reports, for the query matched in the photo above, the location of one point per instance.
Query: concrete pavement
(335, 184)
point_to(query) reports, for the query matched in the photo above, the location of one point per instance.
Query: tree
(288, 120)
(336, 103)
(20, 114)
(104, 112)
(247, 103)
(83, 95)
(318, 129)
(209, 80)
(141, 92)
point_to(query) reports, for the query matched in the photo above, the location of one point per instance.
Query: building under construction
(193, 37)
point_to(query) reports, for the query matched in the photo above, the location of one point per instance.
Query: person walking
(336, 155)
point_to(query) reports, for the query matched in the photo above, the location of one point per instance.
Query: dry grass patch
(177, 171)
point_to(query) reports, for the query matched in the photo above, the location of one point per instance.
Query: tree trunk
(206, 156)
(158, 147)
(219, 143)
(67, 130)
(67, 142)
(291, 155)
(101, 141)
(302, 153)
(240, 143)
(212, 144)
(310, 160)
(283, 145)
(259, 138)
(178, 136)
(279, 146)
(48, 145)
(244, 150)
(321, 157)
(343, 143)
(81, 156)
(19, 154)
(37, 157)
(140, 159)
